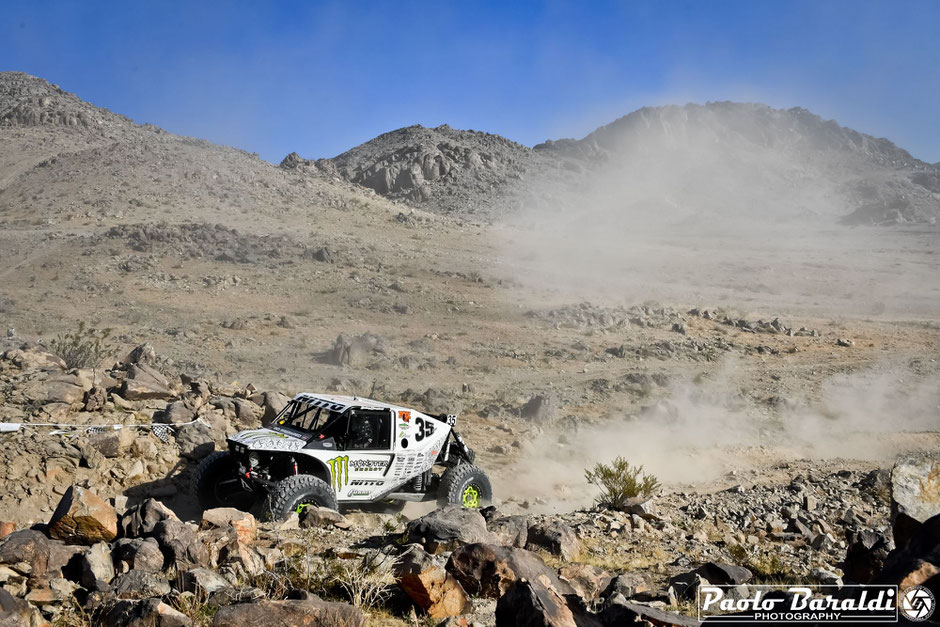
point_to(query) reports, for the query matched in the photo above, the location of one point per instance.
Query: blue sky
(321, 77)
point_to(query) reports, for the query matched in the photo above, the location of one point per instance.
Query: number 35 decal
(425, 429)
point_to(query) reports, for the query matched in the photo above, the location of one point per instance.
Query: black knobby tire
(290, 494)
(458, 480)
(217, 484)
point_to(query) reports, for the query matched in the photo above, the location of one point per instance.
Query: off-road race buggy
(330, 451)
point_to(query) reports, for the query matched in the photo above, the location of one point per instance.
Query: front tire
(296, 492)
(466, 485)
(217, 484)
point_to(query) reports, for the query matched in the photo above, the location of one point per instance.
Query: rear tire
(466, 485)
(216, 483)
(293, 493)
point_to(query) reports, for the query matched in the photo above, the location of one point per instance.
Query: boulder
(18, 612)
(142, 354)
(537, 603)
(297, 613)
(555, 537)
(246, 412)
(141, 519)
(199, 390)
(242, 560)
(244, 524)
(625, 613)
(488, 570)
(216, 542)
(65, 388)
(143, 382)
(6, 528)
(644, 507)
(724, 574)
(915, 493)
(272, 403)
(57, 591)
(865, 556)
(137, 584)
(540, 408)
(196, 440)
(510, 530)
(381, 523)
(34, 359)
(114, 443)
(316, 517)
(447, 528)
(176, 413)
(203, 581)
(83, 517)
(97, 567)
(627, 584)
(588, 581)
(686, 585)
(180, 544)
(355, 351)
(140, 554)
(917, 562)
(145, 613)
(95, 399)
(65, 559)
(424, 579)
(27, 552)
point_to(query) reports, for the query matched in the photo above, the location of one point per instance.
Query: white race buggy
(330, 450)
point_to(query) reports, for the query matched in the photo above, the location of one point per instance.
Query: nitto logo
(917, 603)
(339, 469)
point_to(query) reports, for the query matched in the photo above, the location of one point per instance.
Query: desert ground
(732, 358)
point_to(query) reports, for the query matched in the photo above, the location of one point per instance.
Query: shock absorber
(293, 465)
(420, 483)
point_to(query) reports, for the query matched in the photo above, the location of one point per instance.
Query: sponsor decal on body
(339, 471)
(266, 439)
(341, 466)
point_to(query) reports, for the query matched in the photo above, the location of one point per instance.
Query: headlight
(253, 460)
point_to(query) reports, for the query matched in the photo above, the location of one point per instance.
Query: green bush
(85, 347)
(620, 483)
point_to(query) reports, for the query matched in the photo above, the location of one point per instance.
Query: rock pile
(100, 443)
(448, 169)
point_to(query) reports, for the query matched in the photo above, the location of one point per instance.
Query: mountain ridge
(699, 154)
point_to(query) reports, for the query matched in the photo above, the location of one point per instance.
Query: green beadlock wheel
(465, 485)
(471, 496)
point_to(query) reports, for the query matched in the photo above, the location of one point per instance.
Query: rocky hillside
(56, 146)
(28, 101)
(728, 158)
(453, 171)
(99, 528)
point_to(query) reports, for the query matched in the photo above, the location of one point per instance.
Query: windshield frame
(289, 420)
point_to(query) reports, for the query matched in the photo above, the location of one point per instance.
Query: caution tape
(159, 429)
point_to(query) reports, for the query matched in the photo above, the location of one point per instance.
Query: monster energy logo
(339, 468)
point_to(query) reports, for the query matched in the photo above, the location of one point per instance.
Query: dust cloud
(702, 431)
(726, 208)
(732, 213)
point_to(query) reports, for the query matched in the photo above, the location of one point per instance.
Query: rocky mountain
(728, 158)
(111, 169)
(450, 170)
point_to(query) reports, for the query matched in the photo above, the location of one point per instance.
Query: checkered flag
(97, 430)
(162, 431)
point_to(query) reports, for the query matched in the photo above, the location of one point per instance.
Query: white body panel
(361, 475)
